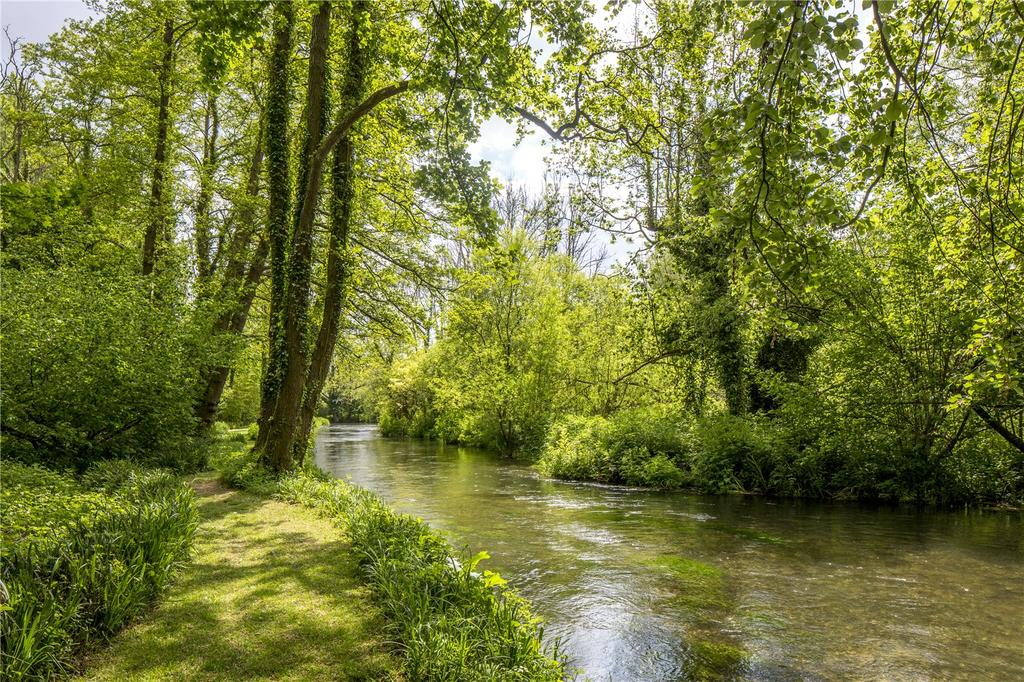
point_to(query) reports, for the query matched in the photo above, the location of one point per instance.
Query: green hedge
(80, 557)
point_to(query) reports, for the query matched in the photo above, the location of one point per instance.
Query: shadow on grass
(272, 593)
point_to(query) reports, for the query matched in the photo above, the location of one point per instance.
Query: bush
(239, 467)
(252, 432)
(93, 370)
(219, 430)
(576, 449)
(636, 447)
(80, 558)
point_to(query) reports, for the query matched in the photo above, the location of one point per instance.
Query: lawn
(271, 593)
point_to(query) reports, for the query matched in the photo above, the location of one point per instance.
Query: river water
(640, 585)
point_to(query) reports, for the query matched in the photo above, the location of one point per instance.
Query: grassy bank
(273, 592)
(82, 556)
(447, 617)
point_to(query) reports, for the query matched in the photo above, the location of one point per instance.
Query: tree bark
(157, 228)
(279, 212)
(280, 429)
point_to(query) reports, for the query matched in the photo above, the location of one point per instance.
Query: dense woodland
(263, 212)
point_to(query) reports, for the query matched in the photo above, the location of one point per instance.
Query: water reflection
(660, 586)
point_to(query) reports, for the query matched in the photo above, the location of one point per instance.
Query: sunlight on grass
(271, 593)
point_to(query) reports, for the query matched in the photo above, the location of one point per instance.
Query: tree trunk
(231, 322)
(342, 202)
(280, 431)
(240, 278)
(157, 228)
(279, 213)
(994, 424)
(204, 267)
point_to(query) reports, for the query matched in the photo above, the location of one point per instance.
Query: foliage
(71, 336)
(81, 558)
(639, 447)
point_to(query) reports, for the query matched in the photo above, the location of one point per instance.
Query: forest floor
(271, 593)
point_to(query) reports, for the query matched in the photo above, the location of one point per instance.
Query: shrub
(252, 432)
(239, 467)
(576, 449)
(80, 558)
(93, 370)
(219, 430)
(636, 447)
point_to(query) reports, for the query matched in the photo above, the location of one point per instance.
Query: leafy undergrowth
(273, 592)
(81, 557)
(449, 621)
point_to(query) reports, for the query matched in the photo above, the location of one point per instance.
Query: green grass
(272, 593)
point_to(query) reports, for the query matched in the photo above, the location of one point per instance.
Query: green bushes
(576, 449)
(635, 447)
(81, 558)
(94, 370)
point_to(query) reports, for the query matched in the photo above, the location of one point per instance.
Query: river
(640, 585)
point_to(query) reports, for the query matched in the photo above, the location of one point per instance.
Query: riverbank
(446, 615)
(272, 591)
(82, 556)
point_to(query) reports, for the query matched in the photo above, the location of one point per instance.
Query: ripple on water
(802, 590)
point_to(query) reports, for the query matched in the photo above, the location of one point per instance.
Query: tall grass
(81, 557)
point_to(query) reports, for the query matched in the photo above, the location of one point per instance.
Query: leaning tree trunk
(342, 201)
(157, 227)
(276, 444)
(240, 277)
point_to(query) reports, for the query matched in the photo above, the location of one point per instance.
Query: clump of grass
(81, 557)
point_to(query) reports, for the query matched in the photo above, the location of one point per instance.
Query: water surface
(640, 585)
